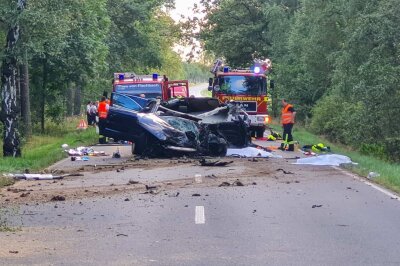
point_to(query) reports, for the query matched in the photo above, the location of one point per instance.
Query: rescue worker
(287, 120)
(88, 118)
(102, 111)
(93, 113)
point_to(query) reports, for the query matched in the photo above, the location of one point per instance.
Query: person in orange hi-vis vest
(102, 111)
(287, 119)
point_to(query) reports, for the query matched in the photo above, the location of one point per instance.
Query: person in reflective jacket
(287, 120)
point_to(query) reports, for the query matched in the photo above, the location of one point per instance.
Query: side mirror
(210, 82)
(271, 84)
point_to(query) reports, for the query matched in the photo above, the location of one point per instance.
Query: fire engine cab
(247, 88)
(150, 86)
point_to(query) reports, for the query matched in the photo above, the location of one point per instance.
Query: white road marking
(375, 186)
(199, 217)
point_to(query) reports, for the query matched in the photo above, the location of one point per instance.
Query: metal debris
(285, 172)
(204, 162)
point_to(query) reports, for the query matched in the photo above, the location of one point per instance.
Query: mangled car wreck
(187, 126)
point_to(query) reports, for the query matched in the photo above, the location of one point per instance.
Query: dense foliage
(69, 50)
(337, 61)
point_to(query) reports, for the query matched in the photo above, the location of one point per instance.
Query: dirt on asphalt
(103, 177)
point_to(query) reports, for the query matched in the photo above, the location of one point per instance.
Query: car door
(122, 119)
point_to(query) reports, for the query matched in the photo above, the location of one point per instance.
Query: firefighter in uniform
(102, 111)
(287, 119)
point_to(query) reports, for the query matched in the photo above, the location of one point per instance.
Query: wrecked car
(175, 128)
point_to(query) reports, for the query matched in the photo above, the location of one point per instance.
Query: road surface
(196, 89)
(284, 214)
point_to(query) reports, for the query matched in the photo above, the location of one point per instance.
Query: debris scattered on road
(40, 176)
(174, 195)
(58, 198)
(196, 195)
(116, 154)
(227, 184)
(16, 190)
(254, 211)
(150, 187)
(13, 251)
(211, 176)
(121, 235)
(372, 175)
(285, 172)
(316, 206)
(132, 182)
(126, 199)
(237, 183)
(204, 162)
(224, 184)
(254, 183)
(84, 151)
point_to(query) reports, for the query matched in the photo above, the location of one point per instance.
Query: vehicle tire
(260, 132)
(102, 140)
(140, 144)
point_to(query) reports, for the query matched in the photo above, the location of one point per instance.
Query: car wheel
(140, 144)
(260, 133)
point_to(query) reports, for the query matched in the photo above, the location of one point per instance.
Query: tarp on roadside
(329, 159)
(251, 152)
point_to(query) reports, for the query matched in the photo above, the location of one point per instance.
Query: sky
(183, 7)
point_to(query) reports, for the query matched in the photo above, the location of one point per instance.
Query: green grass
(206, 93)
(41, 151)
(389, 172)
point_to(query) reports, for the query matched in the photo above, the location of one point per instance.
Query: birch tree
(9, 108)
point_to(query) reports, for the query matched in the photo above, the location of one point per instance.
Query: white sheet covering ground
(328, 159)
(251, 152)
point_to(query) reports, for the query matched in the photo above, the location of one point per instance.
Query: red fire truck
(151, 86)
(246, 87)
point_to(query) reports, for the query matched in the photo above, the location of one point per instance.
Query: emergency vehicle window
(150, 90)
(246, 85)
(126, 102)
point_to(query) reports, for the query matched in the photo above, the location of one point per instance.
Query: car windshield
(150, 90)
(125, 102)
(247, 85)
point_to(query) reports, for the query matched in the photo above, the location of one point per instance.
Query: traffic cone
(82, 124)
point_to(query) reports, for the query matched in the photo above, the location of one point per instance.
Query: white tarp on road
(251, 152)
(329, 159)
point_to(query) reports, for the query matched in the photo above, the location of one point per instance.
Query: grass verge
(206, 93)
(389, 172)
(40, 151)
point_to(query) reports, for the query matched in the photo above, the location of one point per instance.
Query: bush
(392, 149)
(376, 150)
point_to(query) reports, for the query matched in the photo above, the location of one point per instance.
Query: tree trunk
(25, 99)
(77, 100)
(9, 108)
(69, 96)
(43, 95)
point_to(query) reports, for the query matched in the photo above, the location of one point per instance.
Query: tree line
(338, 61)
(56, 55)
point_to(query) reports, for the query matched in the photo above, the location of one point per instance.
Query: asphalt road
(196, 90)
(310, 216)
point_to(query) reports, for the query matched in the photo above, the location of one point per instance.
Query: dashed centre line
(199, 217)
